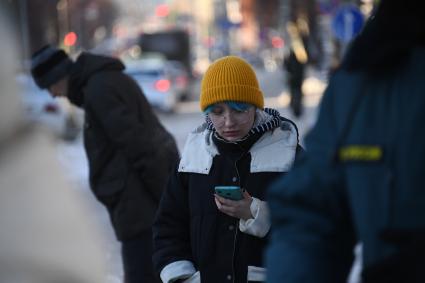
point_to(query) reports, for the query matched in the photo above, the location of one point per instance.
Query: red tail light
(162, 85)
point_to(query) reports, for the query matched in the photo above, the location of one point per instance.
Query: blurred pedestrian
(38, 207)
(361, 179)
(200, 236)
(295, 65)
(129, 152)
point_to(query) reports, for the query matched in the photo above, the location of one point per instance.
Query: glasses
(219, 115)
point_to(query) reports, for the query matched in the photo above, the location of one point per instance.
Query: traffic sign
(347, 22)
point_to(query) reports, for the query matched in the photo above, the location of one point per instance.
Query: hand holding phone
(229, 192)
(233, 201)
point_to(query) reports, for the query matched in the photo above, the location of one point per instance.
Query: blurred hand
(235, 208)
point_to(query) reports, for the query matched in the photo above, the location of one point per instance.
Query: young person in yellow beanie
(200, 236)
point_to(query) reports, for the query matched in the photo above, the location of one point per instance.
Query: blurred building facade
(216, 27)
(49, 21)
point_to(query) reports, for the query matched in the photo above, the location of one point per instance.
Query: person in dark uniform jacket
(198, 235)
(362, 177)
(129, 152)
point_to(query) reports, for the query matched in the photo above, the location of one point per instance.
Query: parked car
(56, 114)
(154, 76)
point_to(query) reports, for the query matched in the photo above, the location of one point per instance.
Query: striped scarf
(265, 120)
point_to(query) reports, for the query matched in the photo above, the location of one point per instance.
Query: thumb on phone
(246, 194)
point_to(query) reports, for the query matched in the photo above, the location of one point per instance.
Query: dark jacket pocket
(111, 180)
(135, 210)
(108, 192)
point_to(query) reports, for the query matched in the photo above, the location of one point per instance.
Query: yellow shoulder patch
(360, 153)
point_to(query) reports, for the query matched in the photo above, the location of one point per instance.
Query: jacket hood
(86, 66)
(387, 38)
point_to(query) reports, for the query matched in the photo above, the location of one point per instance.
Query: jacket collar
(273, 152)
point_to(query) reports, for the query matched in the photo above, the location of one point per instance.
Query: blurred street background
(167, 46)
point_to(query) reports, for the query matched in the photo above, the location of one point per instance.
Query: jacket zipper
(233, 255)
(236, 226)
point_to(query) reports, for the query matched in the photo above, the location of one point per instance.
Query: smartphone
(229, 192)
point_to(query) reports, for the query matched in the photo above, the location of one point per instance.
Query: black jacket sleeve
(171, 228)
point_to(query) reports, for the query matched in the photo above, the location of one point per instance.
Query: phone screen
(229, 192)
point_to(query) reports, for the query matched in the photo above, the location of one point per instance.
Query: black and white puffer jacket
(192, 238)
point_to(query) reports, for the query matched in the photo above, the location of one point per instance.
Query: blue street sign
(347, 22)
(225, 24)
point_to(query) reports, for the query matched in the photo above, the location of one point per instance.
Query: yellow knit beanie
(230, 79)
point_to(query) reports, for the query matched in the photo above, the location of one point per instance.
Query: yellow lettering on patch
(363, 153)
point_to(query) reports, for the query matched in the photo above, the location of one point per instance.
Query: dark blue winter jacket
(361, 180)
